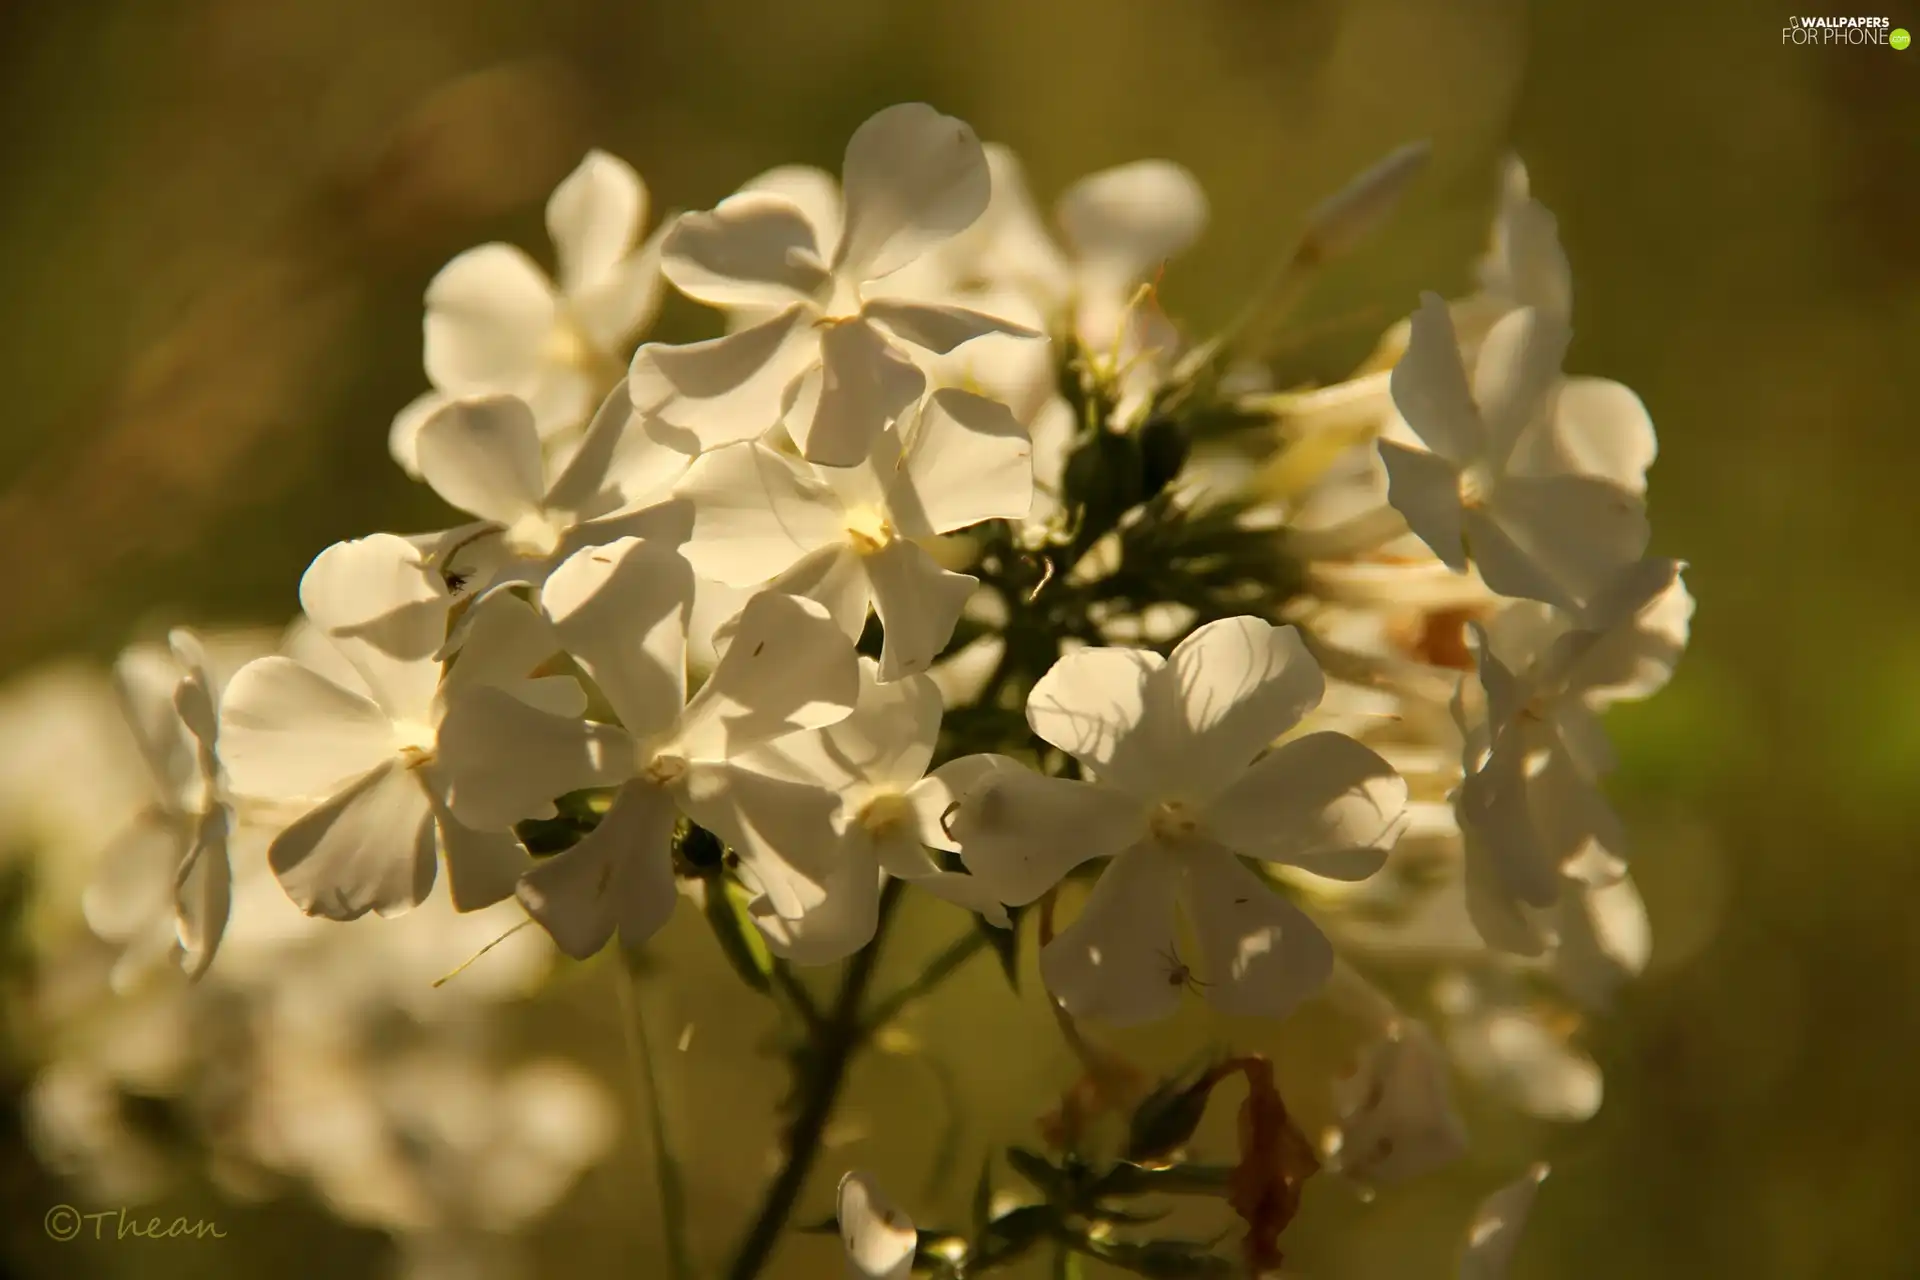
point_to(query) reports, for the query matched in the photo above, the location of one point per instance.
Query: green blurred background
(219, 217)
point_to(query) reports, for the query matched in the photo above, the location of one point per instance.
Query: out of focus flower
(880, 1239)
(1494, 1236)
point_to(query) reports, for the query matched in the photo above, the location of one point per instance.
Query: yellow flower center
(868, 529)
(1174, 822)
(1475, 488)
(416, 743)
(885, 813)
(664, 769)
(534, 536)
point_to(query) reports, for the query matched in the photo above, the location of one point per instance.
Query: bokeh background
(219, 216)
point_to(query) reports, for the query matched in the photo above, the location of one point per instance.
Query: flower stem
(840, 1036)
(673, 1196)
(938, 971)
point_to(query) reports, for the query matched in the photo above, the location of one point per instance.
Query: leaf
(726, 911)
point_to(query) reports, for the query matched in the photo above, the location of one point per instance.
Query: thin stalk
(673, 1192)
(942, 967)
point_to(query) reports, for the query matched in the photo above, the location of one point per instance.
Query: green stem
(673, 1193)
(942, 967)
(841, 1036)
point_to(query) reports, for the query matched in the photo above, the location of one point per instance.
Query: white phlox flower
(1178, 790)
(621, 612)
(482, 455)
(846, 536)
(1494, 1235)
(360, 752)
(1396, 1115)
(1497, 482)
(879, 1237)
(886, 816)
(828, 360)
(1516, 1045)
(497, 324)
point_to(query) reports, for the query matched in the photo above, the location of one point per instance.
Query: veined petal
(755, 512)
(787, 668)
(1311, 800)
(919, 604)
(482, 455)
(754, 249)
(888, 739)
(1095, 705)
(489, 314)
(621, 611)
(937, 328)
(912, 178)
(502, 761)
(880, 1239)
(1261, 954)
(1123, 223)
(287, 733)
(726, 389)
(203, 893)
(594, 217)
(1239, 683)
(370, 848)
(386, 610)
(1425, 489)
(865, 383)
(1114, 962)
(618, 877)
(967, 460)
(1429, 388)
(782, 829)
(1022, 832)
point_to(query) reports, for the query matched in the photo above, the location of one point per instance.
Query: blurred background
(218, 220)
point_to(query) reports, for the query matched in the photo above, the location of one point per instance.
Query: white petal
(814, 191)
(1124, 222)
(482, 455)
(1494, 1236)
(1022, 832)
(386, 610)
(1497, 820)
(967, 460)
(131, 888)
(840, 924)
(782, 830)
(1430, 388)
(1561, 538)
(1425, 489)
(482, 866)
(887, 740)
(755, 512)
(203, 893)
(970, 893)
(621, 611)
(503, 761)
(1094, 705)
(619, 877)
(1600, 428)
(1397, 1119)
(726, 389)
(489, 314)
(940, 329)
(624, 459)
(1240, 683)
(880, 1239)
(788, 668)
(145, 679)
(403, 435)
(594, 217)
(621, 303)
(1516, 375)
(370, 848)
(506, 639)
(1262, 956)
(287, 733)
(834, 576)
(1117, 960)
(865, 383)
(912, 179)
(1311, 800)
(754, 249)
(919, 604)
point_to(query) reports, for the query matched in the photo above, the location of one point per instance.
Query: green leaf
(740, 942)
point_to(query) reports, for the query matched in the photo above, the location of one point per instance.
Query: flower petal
(1123, 223)
(1240, 683)
(1516, 375)
(625, 459)
(370, 848)
(483, 867)
(482, 455)
(502, 761)
(782, 830)
(1322, 802)
(1494, 1235)
(618, 877)
(755, 512)
(966, 460)
(594, 217)
(814, 191)
(404, 434)
(841, 923)
(887, 740)
(913, 178)
(919, 604)
(288, 733)
(385, 608)
(203, 893)
(754, 249)
(1429, 387)
(726, 389)
(1115, 962)
(1425, 489)
(1556, 538)
(489, 314)
(1096, 704)
(621, 611)
(787, 668)
(865, 383)
(1599, 428)
(145, 679)
(940, 329)
(1022, 832)
(835, 576)
(880, 1239)
(1261, 954)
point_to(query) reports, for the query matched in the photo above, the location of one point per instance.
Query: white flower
(1495, 1233)
(483, 456)
(886, 816)
(879, 1237)
(845, 535)
(1397, 1119)
(1496, 485)
(362, 757)
(179, 845)
(497, 324)
(1179, 788)
(1516, 1047)
(621, 611)
(827, 358)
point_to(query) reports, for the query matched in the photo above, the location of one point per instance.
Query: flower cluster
(953, 564)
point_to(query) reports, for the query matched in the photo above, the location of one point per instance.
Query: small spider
(1178, 974)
